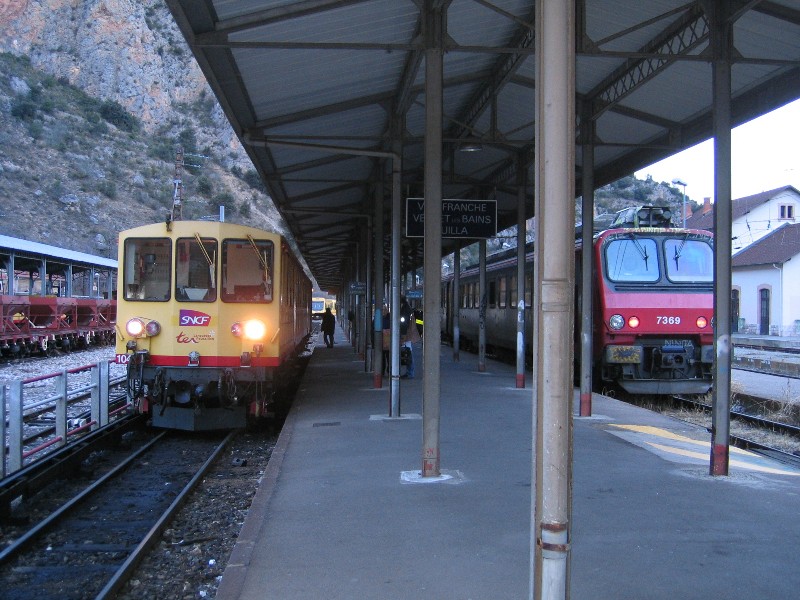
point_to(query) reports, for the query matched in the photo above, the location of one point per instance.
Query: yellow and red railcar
(210, 316)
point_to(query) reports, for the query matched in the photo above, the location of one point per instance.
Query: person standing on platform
(328, 327)
(387, 340)
(408, 335)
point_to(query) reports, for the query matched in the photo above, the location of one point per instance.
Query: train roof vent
(644, 216)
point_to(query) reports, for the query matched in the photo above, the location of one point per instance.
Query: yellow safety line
(663, 433)
(733, 463)
(658, 432)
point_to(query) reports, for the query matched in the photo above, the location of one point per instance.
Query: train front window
(247, 270)
(632, 259)
(687, 260)
(195, 270)
(146, 269)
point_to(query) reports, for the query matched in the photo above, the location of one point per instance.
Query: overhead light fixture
(470, 147)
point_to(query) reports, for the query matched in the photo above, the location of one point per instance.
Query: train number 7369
(668, 320)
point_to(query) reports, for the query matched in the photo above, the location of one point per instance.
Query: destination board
(474, 219)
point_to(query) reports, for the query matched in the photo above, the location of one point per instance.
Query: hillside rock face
(129, 51)
(72, 179)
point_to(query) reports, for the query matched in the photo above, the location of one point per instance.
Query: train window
(513, 290)
(502, 299)
(689, 260)
(195, 270)
(147, 269)
(632, 258)
(247, 270)
(492, 293)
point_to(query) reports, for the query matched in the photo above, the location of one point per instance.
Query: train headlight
(135, 327)
(254, 330)
(633, 322)
(616, 322)
(250, 330)
(152, 328)
(702, 322)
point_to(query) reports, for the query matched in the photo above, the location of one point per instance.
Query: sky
(765, 155)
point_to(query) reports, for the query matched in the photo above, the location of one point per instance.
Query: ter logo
(193, 318)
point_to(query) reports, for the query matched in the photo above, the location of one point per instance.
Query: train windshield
(195, 270)
(689, 260)
(146, 269)
(633, 259)
(247, 270)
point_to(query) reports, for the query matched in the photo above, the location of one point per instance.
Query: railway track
(85, 543)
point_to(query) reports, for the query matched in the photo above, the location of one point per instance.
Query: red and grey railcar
(652, 298)
(53, 299)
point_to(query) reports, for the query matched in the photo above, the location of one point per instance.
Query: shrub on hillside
(115, 114)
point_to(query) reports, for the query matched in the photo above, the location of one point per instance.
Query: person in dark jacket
(328, 326)
(408, 336)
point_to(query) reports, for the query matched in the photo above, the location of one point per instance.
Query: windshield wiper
(679, 251)
(642, 250)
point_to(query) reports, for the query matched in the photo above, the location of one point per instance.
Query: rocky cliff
(95, 95)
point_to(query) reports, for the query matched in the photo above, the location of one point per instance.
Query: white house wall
(791, 297)
(749, 281)
(784, 297)
(763, 219)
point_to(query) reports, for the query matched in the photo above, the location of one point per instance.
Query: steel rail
(123, 573)
(29, 536)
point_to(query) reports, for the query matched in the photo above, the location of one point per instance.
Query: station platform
(771, 354)
(338, 517)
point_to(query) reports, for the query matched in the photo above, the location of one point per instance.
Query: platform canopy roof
(315, 89)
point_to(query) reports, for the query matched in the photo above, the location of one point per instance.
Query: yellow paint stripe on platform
(664, 433)
(732, 463)
(706, 445)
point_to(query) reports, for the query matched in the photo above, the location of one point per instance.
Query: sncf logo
(193, 318)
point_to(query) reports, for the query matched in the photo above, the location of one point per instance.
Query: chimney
(706, 205)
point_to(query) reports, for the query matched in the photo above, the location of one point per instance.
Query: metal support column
(368, 297)
(456, 305)
(587, 210)
(721, 45)
(397, 166)
(377, 228)
(11, 280)
(434, 24)
(484, 301)
(554, 289)
(3, 419)
(520, 271)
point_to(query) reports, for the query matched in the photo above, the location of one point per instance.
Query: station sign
(414, 294)
(472, 219)
(358, 287)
